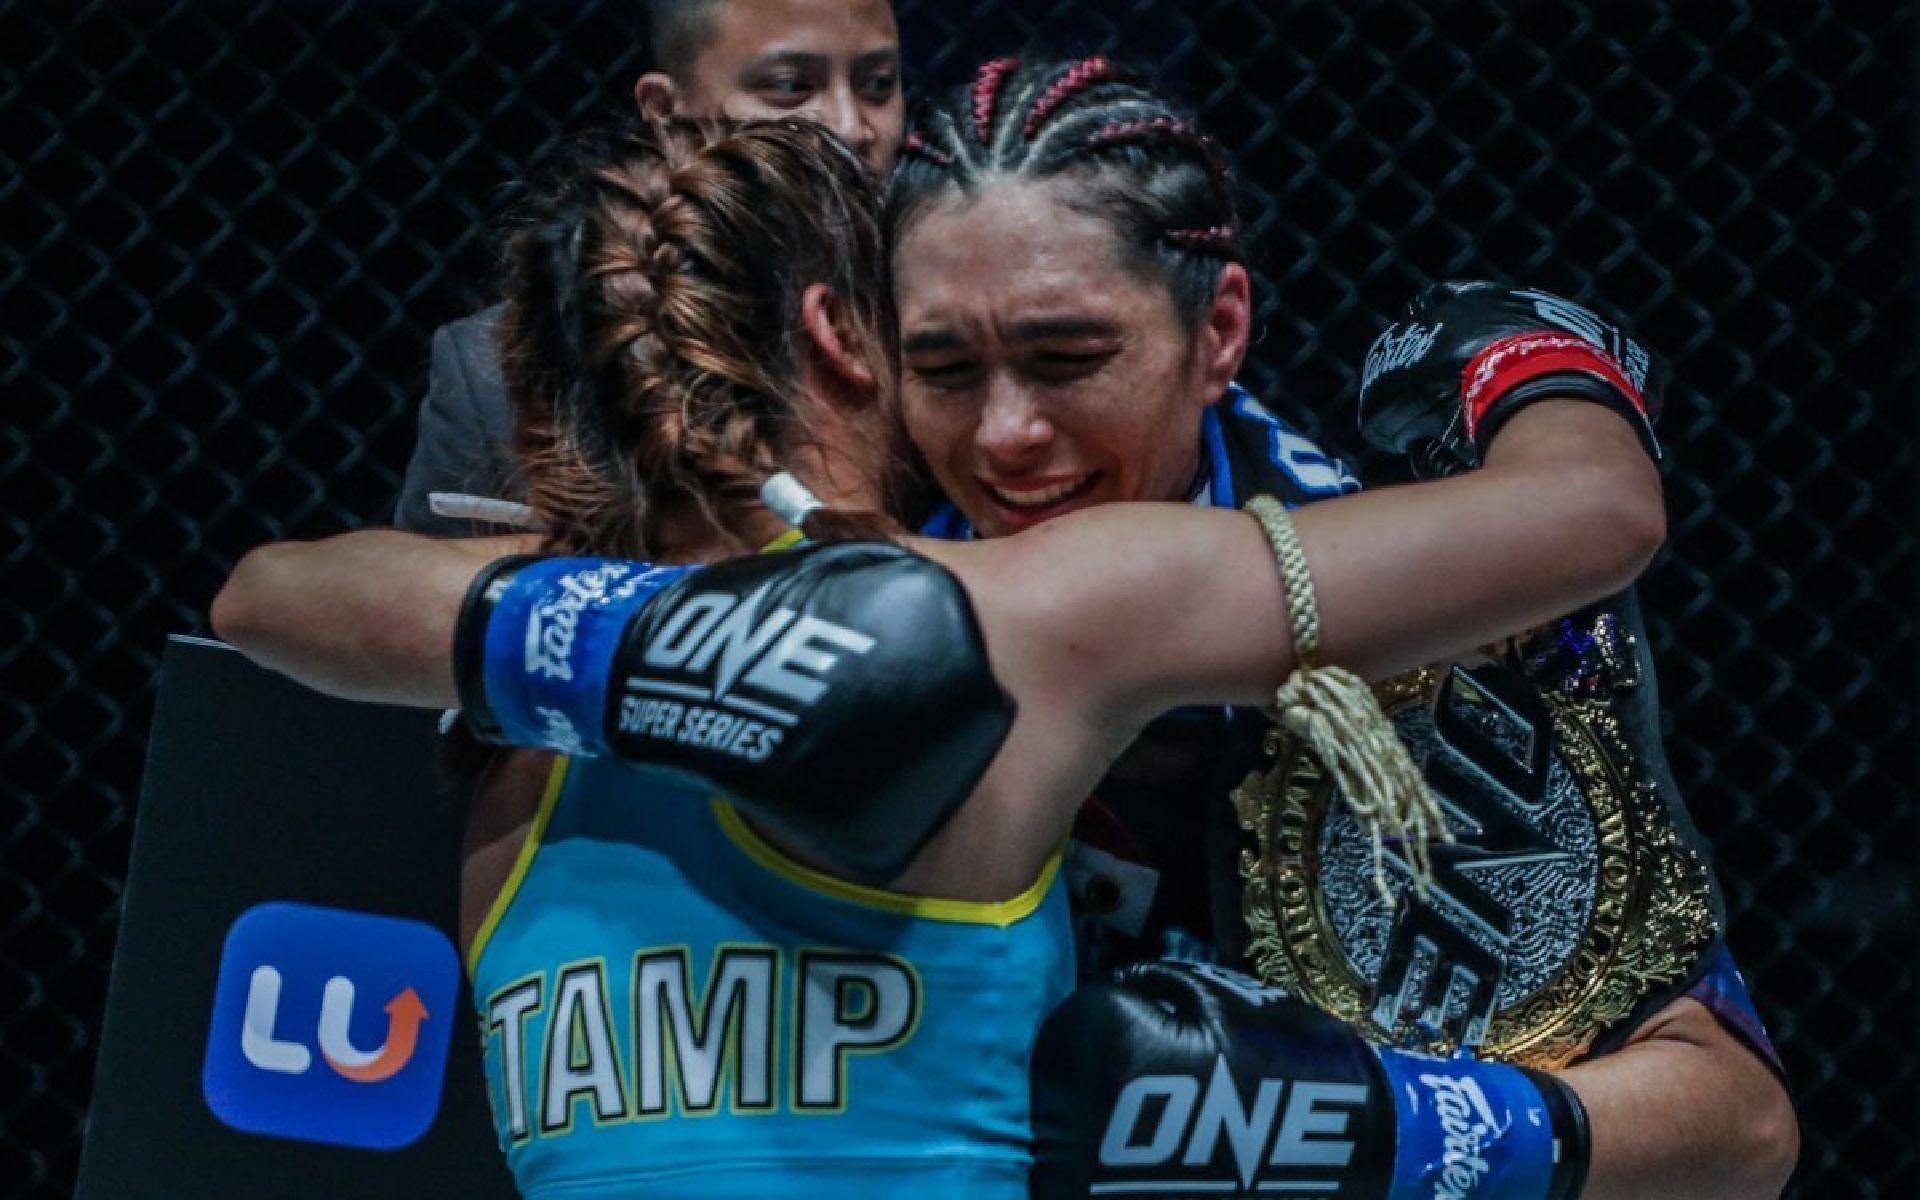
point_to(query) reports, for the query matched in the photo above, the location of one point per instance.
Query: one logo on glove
(717, 646)
(1169, 1121)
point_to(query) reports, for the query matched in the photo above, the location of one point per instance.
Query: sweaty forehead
(1012, 252)
(745, 30)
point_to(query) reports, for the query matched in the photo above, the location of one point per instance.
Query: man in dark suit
(836, 61)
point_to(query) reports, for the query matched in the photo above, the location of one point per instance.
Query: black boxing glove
(1180, 1079)
(840, 692)
(1438, 384)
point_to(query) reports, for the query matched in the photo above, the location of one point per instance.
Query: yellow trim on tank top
(786, 541)
(998, 913)
(536, 834)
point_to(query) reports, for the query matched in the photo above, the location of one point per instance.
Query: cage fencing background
(230, 227)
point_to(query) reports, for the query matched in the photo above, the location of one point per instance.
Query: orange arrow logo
(405, 1012)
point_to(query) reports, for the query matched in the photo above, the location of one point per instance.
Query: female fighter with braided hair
(1068, 265)
(662, 952)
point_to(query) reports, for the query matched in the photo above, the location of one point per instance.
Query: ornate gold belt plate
(1566, 897)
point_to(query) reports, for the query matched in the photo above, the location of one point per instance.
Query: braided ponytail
(654, 271)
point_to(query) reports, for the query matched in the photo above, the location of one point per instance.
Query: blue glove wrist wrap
(549, 643)
(1468, 1129)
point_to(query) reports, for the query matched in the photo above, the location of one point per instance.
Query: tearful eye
(1066, 365)
(944, 374)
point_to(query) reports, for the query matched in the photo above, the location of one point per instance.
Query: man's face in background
(834, 61)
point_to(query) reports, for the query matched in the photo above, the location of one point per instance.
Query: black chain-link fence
(230, 227)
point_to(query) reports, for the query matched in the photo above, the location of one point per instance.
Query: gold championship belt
(1565, 896)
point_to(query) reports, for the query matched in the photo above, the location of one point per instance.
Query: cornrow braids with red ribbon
(987, 82)
(916, 144)
(1077, 79)
(1138, 161)
(1120, 133)
(1222, 241)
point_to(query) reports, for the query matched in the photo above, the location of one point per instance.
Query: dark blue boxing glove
(1179, 1079)
(1439, 383)
(841, 693)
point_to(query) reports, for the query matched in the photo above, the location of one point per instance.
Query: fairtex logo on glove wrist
(1512, 361)
(1468, 1122)
(549, 639)
(553, 623)
(1468, 1130)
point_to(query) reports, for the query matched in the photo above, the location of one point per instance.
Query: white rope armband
(1336, 714)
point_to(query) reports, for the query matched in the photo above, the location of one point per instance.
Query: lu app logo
(331, 1026)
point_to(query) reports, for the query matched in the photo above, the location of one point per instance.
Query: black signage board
(319, 822)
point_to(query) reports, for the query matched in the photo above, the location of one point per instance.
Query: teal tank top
(671, 1007)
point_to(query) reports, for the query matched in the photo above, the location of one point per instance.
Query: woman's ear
(656, 95)
(1228, 325)
(837, 350)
